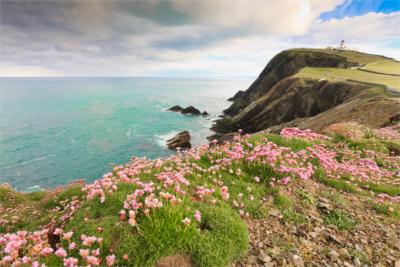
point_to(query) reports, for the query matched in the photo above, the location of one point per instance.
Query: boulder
(191, 110)
(176, 108)
(181, 140)
(205, 113)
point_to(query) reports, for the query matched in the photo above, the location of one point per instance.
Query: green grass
(386, 209)
(384, 66)
(295, 144)
(335, 183)
(336, 74)
(339, 219)
(220, 238)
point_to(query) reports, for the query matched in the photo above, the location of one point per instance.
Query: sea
(54, 130)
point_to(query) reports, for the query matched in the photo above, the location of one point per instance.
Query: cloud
(175, 37)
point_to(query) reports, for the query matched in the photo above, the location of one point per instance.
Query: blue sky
(175, 38)
(352, 8)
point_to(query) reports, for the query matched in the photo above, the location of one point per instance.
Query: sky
(177, 38)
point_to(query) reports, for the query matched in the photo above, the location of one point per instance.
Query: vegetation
(197, 203)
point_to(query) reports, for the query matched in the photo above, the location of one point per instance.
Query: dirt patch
(178, 260)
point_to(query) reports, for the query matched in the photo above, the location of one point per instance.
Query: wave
(34, 188)
(161, 139)
(26, 162)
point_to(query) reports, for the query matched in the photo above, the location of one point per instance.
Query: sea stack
(181, 140)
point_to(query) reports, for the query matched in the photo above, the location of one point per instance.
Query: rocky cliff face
(285, 64)
(277, 97)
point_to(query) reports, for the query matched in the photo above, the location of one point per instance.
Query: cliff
(323, 84)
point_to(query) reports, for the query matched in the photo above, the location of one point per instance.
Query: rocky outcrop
(176, 108)
(285, 64)
(190, 110)
(278, 99)
(181, 140)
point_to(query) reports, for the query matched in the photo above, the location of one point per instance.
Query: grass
(335, 183)
(384, 66)
(387, 209)
(222, 237)
(337, 74)
(339, 219)
(294, 143)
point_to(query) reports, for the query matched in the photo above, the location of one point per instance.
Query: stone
(274, 212)
(191, 110)
(205, 113)
(344, 253)
(181, 140)
(397, 263)
(333, 255)
(176, 108)
(298, 261)
(264, 258)
(335, 239)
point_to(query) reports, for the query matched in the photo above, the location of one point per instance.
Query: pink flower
(110, 260)
(256, 179)
(197, 216)
(68, 235)
(186, 221)
(61, 253)
(84, 253)
(92, 260)
(46, 251)
(285, 180)
(58, 231)
(70, 262)
(72, 245)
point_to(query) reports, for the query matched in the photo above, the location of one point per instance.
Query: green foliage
(339, 219)
(387, 209)
(219, 239)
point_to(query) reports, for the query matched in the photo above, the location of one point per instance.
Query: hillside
(313, 88)
(295, 199)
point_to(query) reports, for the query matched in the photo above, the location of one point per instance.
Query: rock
(335, 239)
(344, 253)
(176, 108)
(357, 262)
(264, 258)
(274, 212)
(191, 110)
(297, 261)
(181, 140)
(205, 113)
(397, 263)
(333, 255)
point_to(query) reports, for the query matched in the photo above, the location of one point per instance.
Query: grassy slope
(221, 237)
(350, 74)
(386, 69)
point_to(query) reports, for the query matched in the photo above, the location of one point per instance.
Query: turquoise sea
(53, 130)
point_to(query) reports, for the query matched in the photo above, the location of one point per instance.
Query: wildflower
(68, 235)
(256, 179)
(72, 246)
(110, 260)
(46, 251)
(186, 221)
(197, 216)
(58, 231)
(285, 180)
(61, 253)
(92, 260)
(70, 262)
(84, 253)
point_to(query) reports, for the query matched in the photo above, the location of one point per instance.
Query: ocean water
(53, 130)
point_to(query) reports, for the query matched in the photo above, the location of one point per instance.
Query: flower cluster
(299, 133)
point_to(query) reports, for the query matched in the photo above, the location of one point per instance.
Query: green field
(384, 66)
(335, 74)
